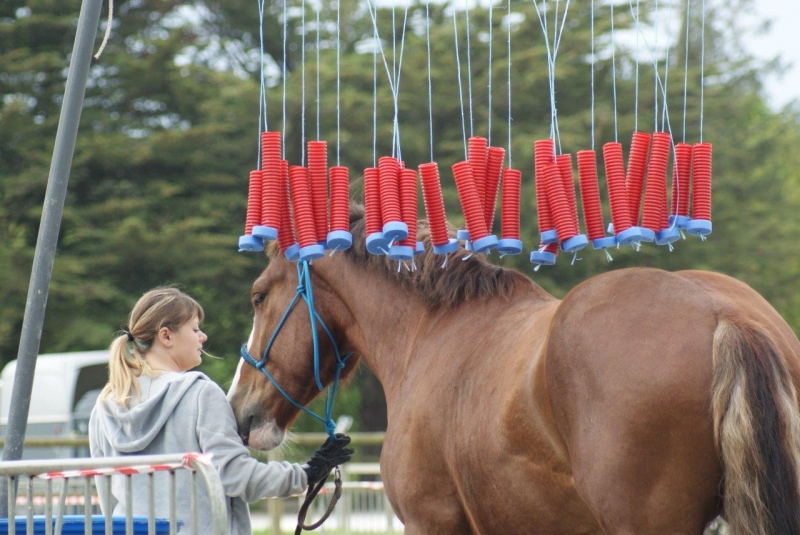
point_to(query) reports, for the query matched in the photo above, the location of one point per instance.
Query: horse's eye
(258, 299)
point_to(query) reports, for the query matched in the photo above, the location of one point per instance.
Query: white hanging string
(375, 97)
(430, 82)
(636, 92)
(702, 63)
(614, 74)
(398, 76)
(303, 86)
(338, 82)
(508, 29)
(655, 71)
(283, 113)
(686, 65)
(460, 88)
(262, 98)
(593, 65)
(317, 9)
(491, 24)
(469, 67)
(666, 67)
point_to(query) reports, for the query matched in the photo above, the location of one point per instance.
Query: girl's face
(187, 345)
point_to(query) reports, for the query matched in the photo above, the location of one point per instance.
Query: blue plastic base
(647, 234)
(632, 235)
(699, 227)
(575, 243)
(449, 247)
(250, 244)
(485, 245)
(681, 220)
(293, 253)
(76, 524)
(377, 243)
(312, 252)
(395, 230)
(549, 236)
(419, 249)
(604, 243)
(509, 246)
(401, 252)
(668, 235)
(265, 233)
(543, 258)
(468, 245)
(340, 240)
(462, 234)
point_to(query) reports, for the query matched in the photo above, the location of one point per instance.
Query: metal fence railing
(49, 493)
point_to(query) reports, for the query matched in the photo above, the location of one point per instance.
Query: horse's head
(262, 412)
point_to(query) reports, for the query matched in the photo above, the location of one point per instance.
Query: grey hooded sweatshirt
(179, 413)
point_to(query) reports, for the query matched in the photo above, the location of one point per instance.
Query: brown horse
(644, 402)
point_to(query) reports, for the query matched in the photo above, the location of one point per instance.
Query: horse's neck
(383, 320)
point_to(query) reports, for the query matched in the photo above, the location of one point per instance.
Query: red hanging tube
(318, 176)
(372, 201)
(253, 203)
(270, 179)
(590, 194)
(408, 205)
(634, 180)
(681, 178)
(434, 204)
(654, 213)
(389, 189)
(512, 185)
(617, 193)
(470, 203)
(701, 181)
(494, 169)
(559, 206)
(286, 237)
(340, 199)
(564, 163)
(303, 207)
(543, 155)
(476, 155)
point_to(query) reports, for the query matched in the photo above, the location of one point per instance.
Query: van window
(90, 378)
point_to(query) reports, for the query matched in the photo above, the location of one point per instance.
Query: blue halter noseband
(305, 292)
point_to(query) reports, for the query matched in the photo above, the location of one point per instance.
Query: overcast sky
(784, 39)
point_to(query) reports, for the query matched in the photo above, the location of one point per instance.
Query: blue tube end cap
(647, 234)
(339, 240)
(610, 228)
(419, 249)
(395, 230)
(549, 236)
(265, 233)
(401, 252)
(679, 220)
(377, 243)
(450, 247)
(604, 243)
(485, 245)
(632, 235)
(468, 245)
(250, 244)
(510, 246)
(575, 243)
(543, 258)
(293, 253)
(462, 234)
(699, 227)
(312, 252)
(668, 235)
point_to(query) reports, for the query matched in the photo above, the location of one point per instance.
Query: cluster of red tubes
(295, 204)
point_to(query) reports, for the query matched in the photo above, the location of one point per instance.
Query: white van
(65, 387)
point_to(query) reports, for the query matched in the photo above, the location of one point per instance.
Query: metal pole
(49, 226)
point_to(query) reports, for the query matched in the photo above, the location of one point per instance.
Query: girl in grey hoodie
(154, 405)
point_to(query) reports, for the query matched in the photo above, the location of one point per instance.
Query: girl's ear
(165, 336)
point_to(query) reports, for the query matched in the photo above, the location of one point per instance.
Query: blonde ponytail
(162, 307)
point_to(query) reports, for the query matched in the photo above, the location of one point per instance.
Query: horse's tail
(757, 432)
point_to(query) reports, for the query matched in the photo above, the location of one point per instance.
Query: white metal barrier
(51, 487)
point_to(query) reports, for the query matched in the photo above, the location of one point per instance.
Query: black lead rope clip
(311, 494)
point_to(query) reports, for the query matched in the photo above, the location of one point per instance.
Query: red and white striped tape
(129, 470)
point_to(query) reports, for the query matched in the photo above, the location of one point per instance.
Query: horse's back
(629, 375)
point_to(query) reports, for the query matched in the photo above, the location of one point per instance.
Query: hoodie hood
(131, 429)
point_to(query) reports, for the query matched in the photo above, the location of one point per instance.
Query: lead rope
(310, 495)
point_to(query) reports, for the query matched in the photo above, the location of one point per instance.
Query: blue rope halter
(305, 291)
